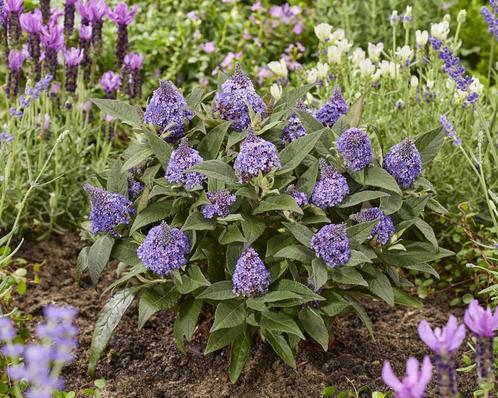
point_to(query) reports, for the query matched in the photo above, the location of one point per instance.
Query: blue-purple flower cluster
(333, 109)
(331, 243)
(32, 94)
(256, 155)
(134, 187)
(300, 197)
(236, 94)
(220, 204)
(331, 188)
(182, 159)
(450, 130)
(355, 148)
(404, 163)
(491, 18)
(383, 230)
(294, 128)
(109, 210)
(251, 276)
(164, 249)
(168, 109)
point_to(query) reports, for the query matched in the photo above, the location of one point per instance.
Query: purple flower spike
(220, 204)
(256, 155)
(333, 109)
(110, 82)
(85, 11)
(383, 230)
(355, 148)
(168, 109)
(251, 276)
(73, 58)
(122, 16)
(236, 93)
(164, 249)
(52, 40)
(491, 20)
(404, 163)
(182, 159)
(109, 210)
(331, 189)
(331, 243)
(132, 74)
(69, 11)
(31, 22)
(12, 10)
(98, 10)
(415, 381)
(16, 59)
(294, 128)
(85, 45)
(450, 130)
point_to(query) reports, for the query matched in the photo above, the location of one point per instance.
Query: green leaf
(161, 149)
(359, 233)
(378, 177)
(142, 154)
(307, 181)
(117, 180)
(427, 231)
(130, 114)
(429, 144)
(210, 145)
(278, 202)
(107, 321)
(422, 267)
(416, 253)
(292, 96)
(221, 338)
(308, 121)
(98, 256)
(253, 228)
(238, 356)
(296, 252)
(281, 347)
(230, 235)
(280, 322)
(125, 251)
(155, 299)
(157, 211)
(357, 258)
(319, 273)
(195, 97)
(192, 281)
(186, 321)
(391, 204)
(222, 290)
(403, 298)
(381, 287)
(348, 276)
(196, 222)
(360, 197)
(216, 169)
(353, 117)
(360, 311)
(299, 288)
(295, 152)
(300, 232)
(314, 325)
(280, 295)
(229, 314)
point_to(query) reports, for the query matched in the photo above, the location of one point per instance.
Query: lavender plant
(275, 237)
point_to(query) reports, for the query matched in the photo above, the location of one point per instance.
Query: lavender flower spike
(294, 128)
(444, 343)
(450, 130)
(109, 210)
(84, 45)
(110, 82)
(331, 189)
(122, 16)
(168, 110)
(69, 10)
(182, 159)
(232, 101)
(414, 383)
(12, 10)
(16, 59)
(404, 163)
(72, 58)
(52, 41)
(251, 276)
(333, 109)
(383, 230)
(256, 155)
(331, 243)
(355, 148)
(131, 74)
(98, 10)
(31, 23)
(220, 204)
(164, 249)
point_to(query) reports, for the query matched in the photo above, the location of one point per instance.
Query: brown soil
(147, 363)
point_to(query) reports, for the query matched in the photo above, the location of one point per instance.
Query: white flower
(407, 18)
(429, 83)
(322, 31)
(367, 68)
(344, 45)
(388, 68)
(374, 51)
(394, 18)
(322, 70)
(276, 91)
(447, 18)
(334, 55)
(337, 34)
(440, 30)
(358, 56)
(421, 37)
(405, 53)
(462, 16)
(476, 86)
(312, 76)
(414, 81)
(279, 68)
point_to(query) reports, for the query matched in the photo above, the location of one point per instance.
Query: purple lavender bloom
(110, 82)
(220, 204)
(251, 276)
(294, 128)
(12, 350)
(256, 155)
(383, 230)
(16, 59)
(331, 243)
(404, 163)
(491, 20)
(45, 10)
(335, 107)
(330, 189)
(6, 138)
(52, 40)
(414, 383)
(109, 210)
(235, 95)
(69, 10)
(12, 10)
(164, 249)
(85, 11)
(31, 23)
(454, 69)
(122, 16)
(435, 43)
(132, 74)
(85, 45)
(72, 58)
(300, 197)
(168, 109)
(182, 159)
(98, 10)
(355, 148)
(134, 187)
(450, 130)
(7, 331)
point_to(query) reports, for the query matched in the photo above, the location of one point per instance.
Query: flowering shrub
(276, 237)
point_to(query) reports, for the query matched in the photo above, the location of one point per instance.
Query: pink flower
(415, 381)
(481, 321)
(73, 56)
(122, 15)
(110, 81)
(16, 59)
(134, 61)
(442, 341)
(13, 6)
(31, 22)
(209, 47)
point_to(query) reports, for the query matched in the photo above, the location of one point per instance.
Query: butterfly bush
(241, 216)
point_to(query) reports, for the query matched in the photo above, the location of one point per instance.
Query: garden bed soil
(146, 363)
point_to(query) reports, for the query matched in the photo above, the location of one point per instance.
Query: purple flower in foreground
(294, 128)
(7, 331)
(164, 249)
(209, 47)
(450, 130)
(300, 197)
(331, 243)
(383, 230)
(134, 187)
(168, 109)
(85, 45)
(331, 189)
(335, 107)
(182, 159)
(415, 381)
(109, 210)
(491, 20)
(12, 10)
(84, 9)
(31, 22)
(16, 59)
(220, 204)
(404, 163)
(110, 82)
(256, 155)
(355, 148)
(251, 276)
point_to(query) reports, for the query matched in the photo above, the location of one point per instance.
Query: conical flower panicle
(383, 230)
(168, 110)
(294, 128)
(220, 204)
(333, 109)
(164, 249)
(300, 197)
(404, 163)
(355, 148)
(331, 243)
(182, 159)
(331, 189)
(251, 276)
